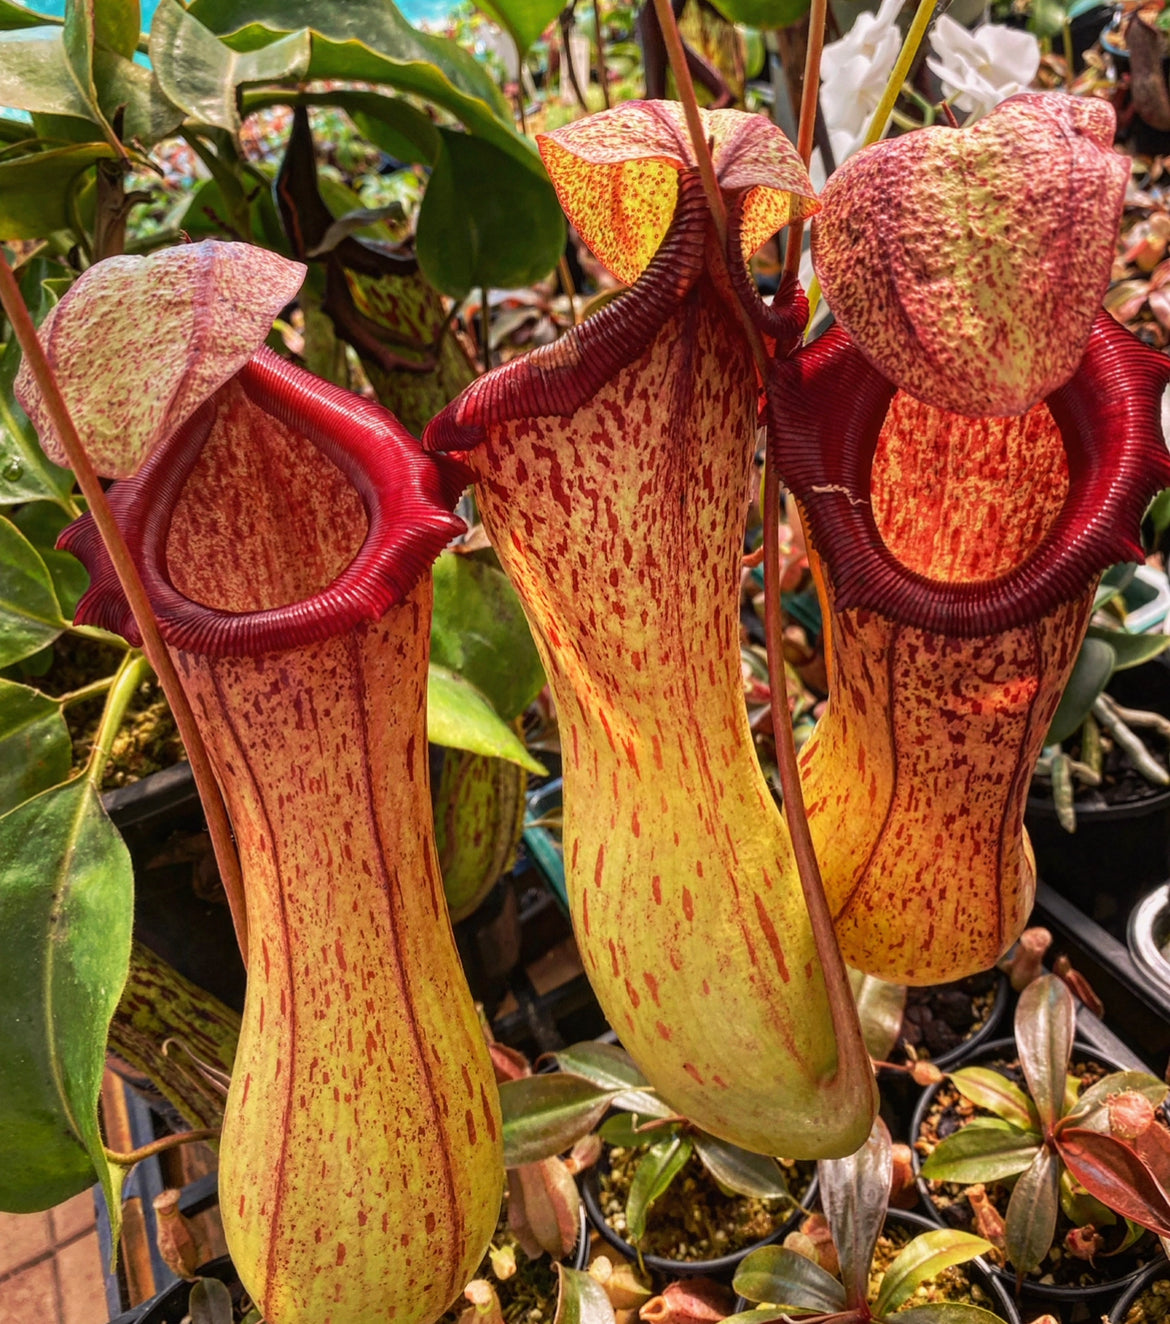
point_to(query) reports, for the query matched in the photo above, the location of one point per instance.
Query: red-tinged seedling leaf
(854, 1192)
(582, 1299)
(544, 1207)
(545, 1115)
(1046, 1019)
(1129, 1177)
(1031, 1214)
(757, 1176)
(616, 174)
(925, 1257)
(988, 1089)
(1090, 1108)
(139, 343)
(968, 264)
(982, 1151)
(785, 1277)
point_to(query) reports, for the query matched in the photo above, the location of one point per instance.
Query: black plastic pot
(1033, 1293)
(170, 1306)
(1150, 1274)
(973, 1045)
(977, 1269)
(721, 1268)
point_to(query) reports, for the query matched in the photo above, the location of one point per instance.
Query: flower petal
(172, 328)
(616, 174)
(968, 264)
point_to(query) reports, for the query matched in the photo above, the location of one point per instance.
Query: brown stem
(152, 643)
(161, 1146)
(852, 1055)
(602, 71)
(566, 23)
(809, 100)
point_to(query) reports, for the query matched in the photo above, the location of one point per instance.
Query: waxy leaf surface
(1120, 1175)
(983, 1150)
(926, 1256)
(545, 1115)
(582, 1299)
(660, 1165)
(193, 316)
(962, 279)
(787, 1278)
(1031, 1214)
(30, 616)
(992, 1090)
(459, 716)
(854, 1192)
(35, 749)
(616, 174)
(1046, 1020)
(66, 902)
(35, 188)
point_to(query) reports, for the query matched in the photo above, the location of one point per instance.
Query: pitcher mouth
(827, 406)
(406, 494)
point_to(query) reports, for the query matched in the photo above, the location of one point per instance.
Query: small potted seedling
(1059, 1171)
(916, 1284)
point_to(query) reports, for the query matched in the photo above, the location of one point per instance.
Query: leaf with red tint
(616, 174)
(139, 343)
(961, 276)
(1046, 1020)
(1131, 1177)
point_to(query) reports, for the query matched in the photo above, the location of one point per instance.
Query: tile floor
(50, 1266)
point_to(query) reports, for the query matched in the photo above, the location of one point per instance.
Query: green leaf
(663, 1162)
(622, 1129)
(29, 615)
(948, 1312)
(984, 1150)
(545, 1115)
(787, 1278)
(459, 716)
(1090, 674)
(1159, 512)
(35, 749)
(1089, 1109)
(149, 115)
(66, 902)
(581, 1299)
(20, 16)
(1114, 581)
(754, 1175)
(391, 123)
(526, 20)
(854, 1194)
(487, 219)
(41, 522)
(201, 74)
(479, 631)
(763, 13)
(612, 1067)
(210, 1302)
(369, 41)
(1130, 650)
(1030, 1223)
(880, 1005)
(1079, 1207)
(34, 189)
(991, 1090)
(925, 1257)
(1046, 1019)
(36, 74)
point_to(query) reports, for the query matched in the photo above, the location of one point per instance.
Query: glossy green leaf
(1159, 511)
(948, 1312)
(611, 1066)
(1130, 650)
(785, 1277)
(545, 1115)
(13, 15)
(1114, 581)
(110, 27)
(991, 1090)
(624, 1130)
(1030, 1223)
(763, 13)
(880, 1006)
(478, 630)
(581, 1299)
(210, 1302)
(369, 41)
(66, 905)
(35, 188)
(41, 522)
(923, 1259)
(486, 220)
(148, 114)
(36, 75)
(661, 1164)
(29, 615)
(1090, 674)
(754, 1175)
(1046, 1019)
(459, 716)
(526, 20)
(202, 74)
(35, 749)
(983, 1150)
(854, 1194)
(391, 123)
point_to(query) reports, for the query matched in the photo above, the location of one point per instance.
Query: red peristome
(406, 497)
(828, 407)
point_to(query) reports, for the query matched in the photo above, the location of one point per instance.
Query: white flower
(854, 72)
(980, 69)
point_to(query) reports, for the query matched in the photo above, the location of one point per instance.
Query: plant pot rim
(591, 1196)
(1151, 1273)
(999, 1292)
(978, 1040)
(1042, 807)
(223, 1269)
(1037, 1291)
